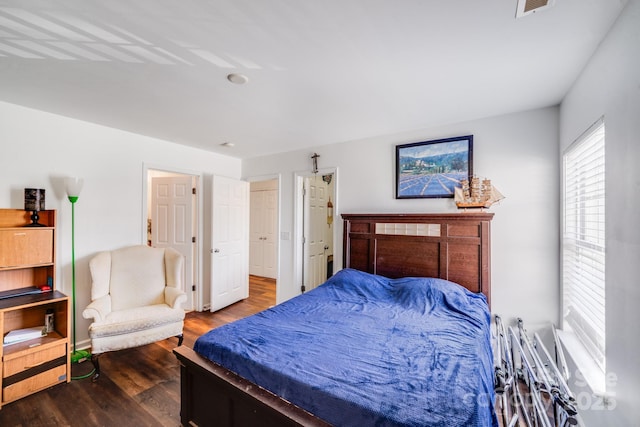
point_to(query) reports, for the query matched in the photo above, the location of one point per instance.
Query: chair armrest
(174, 297)
(98, 309)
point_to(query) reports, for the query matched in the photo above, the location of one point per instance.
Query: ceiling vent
(527, 7)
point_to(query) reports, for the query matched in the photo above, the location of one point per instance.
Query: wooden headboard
(455, 247)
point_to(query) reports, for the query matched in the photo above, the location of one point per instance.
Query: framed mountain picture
(432, 169)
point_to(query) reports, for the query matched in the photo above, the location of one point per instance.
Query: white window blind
(583, 242)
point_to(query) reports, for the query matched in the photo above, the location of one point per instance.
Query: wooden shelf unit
(27, 262)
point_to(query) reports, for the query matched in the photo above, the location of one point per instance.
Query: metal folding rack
(531, 386)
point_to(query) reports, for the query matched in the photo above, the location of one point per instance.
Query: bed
(372, 346)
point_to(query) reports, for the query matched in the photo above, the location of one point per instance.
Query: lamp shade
(73, 186)
(33, 199)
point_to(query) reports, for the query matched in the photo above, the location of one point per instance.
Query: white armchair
(136, 298)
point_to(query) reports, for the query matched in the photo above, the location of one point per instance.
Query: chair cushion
(137, 277)
(135, 319)
(135, 339)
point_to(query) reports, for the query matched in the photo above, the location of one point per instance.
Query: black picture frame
(432, 169)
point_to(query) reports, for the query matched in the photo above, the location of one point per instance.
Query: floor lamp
(73, 187)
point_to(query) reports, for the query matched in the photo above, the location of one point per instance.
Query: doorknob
(216, 251)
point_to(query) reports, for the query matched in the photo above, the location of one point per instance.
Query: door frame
(298, 223)
(146, 167)
(270, 177)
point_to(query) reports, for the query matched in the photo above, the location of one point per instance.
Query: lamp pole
(74, 185)
(73, 200)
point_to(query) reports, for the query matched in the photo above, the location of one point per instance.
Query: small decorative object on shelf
(479, 193)
(34, 202)
(48, 320)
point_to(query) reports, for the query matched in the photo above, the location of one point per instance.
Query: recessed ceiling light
(228, 144)
(237, 78)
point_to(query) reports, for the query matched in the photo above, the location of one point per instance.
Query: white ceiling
(320, 71)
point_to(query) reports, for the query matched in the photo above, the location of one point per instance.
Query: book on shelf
(20, 292)
(25, 334)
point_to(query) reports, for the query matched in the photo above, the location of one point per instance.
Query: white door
(270, 230)
(230, 242)
(256, 235)
(172, 201)
(262, 242)
(315, 209)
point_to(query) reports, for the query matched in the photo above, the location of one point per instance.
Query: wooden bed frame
(454, 247)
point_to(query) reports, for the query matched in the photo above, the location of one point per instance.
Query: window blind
(583, 241)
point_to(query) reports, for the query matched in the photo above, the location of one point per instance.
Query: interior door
(262, 241)
(256, 235)
(172, 201)
(315, 221)
(270, 241)
(230, 242)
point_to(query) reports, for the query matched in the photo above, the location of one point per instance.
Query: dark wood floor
(137, 387)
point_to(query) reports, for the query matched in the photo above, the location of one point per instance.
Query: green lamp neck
(73, 199)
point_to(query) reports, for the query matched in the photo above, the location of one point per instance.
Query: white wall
(610, 87)
(40, 149)
(519, 152)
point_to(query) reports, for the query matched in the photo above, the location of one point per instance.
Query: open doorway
(171, 219)
(316, 204)
(263, 229)
(264, 234)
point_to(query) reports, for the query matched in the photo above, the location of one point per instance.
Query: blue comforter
(365, 350)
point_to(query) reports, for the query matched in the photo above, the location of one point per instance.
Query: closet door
(256, 248)
(263, 239)
(270, 241)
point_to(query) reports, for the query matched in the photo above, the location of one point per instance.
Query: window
(583, 241)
